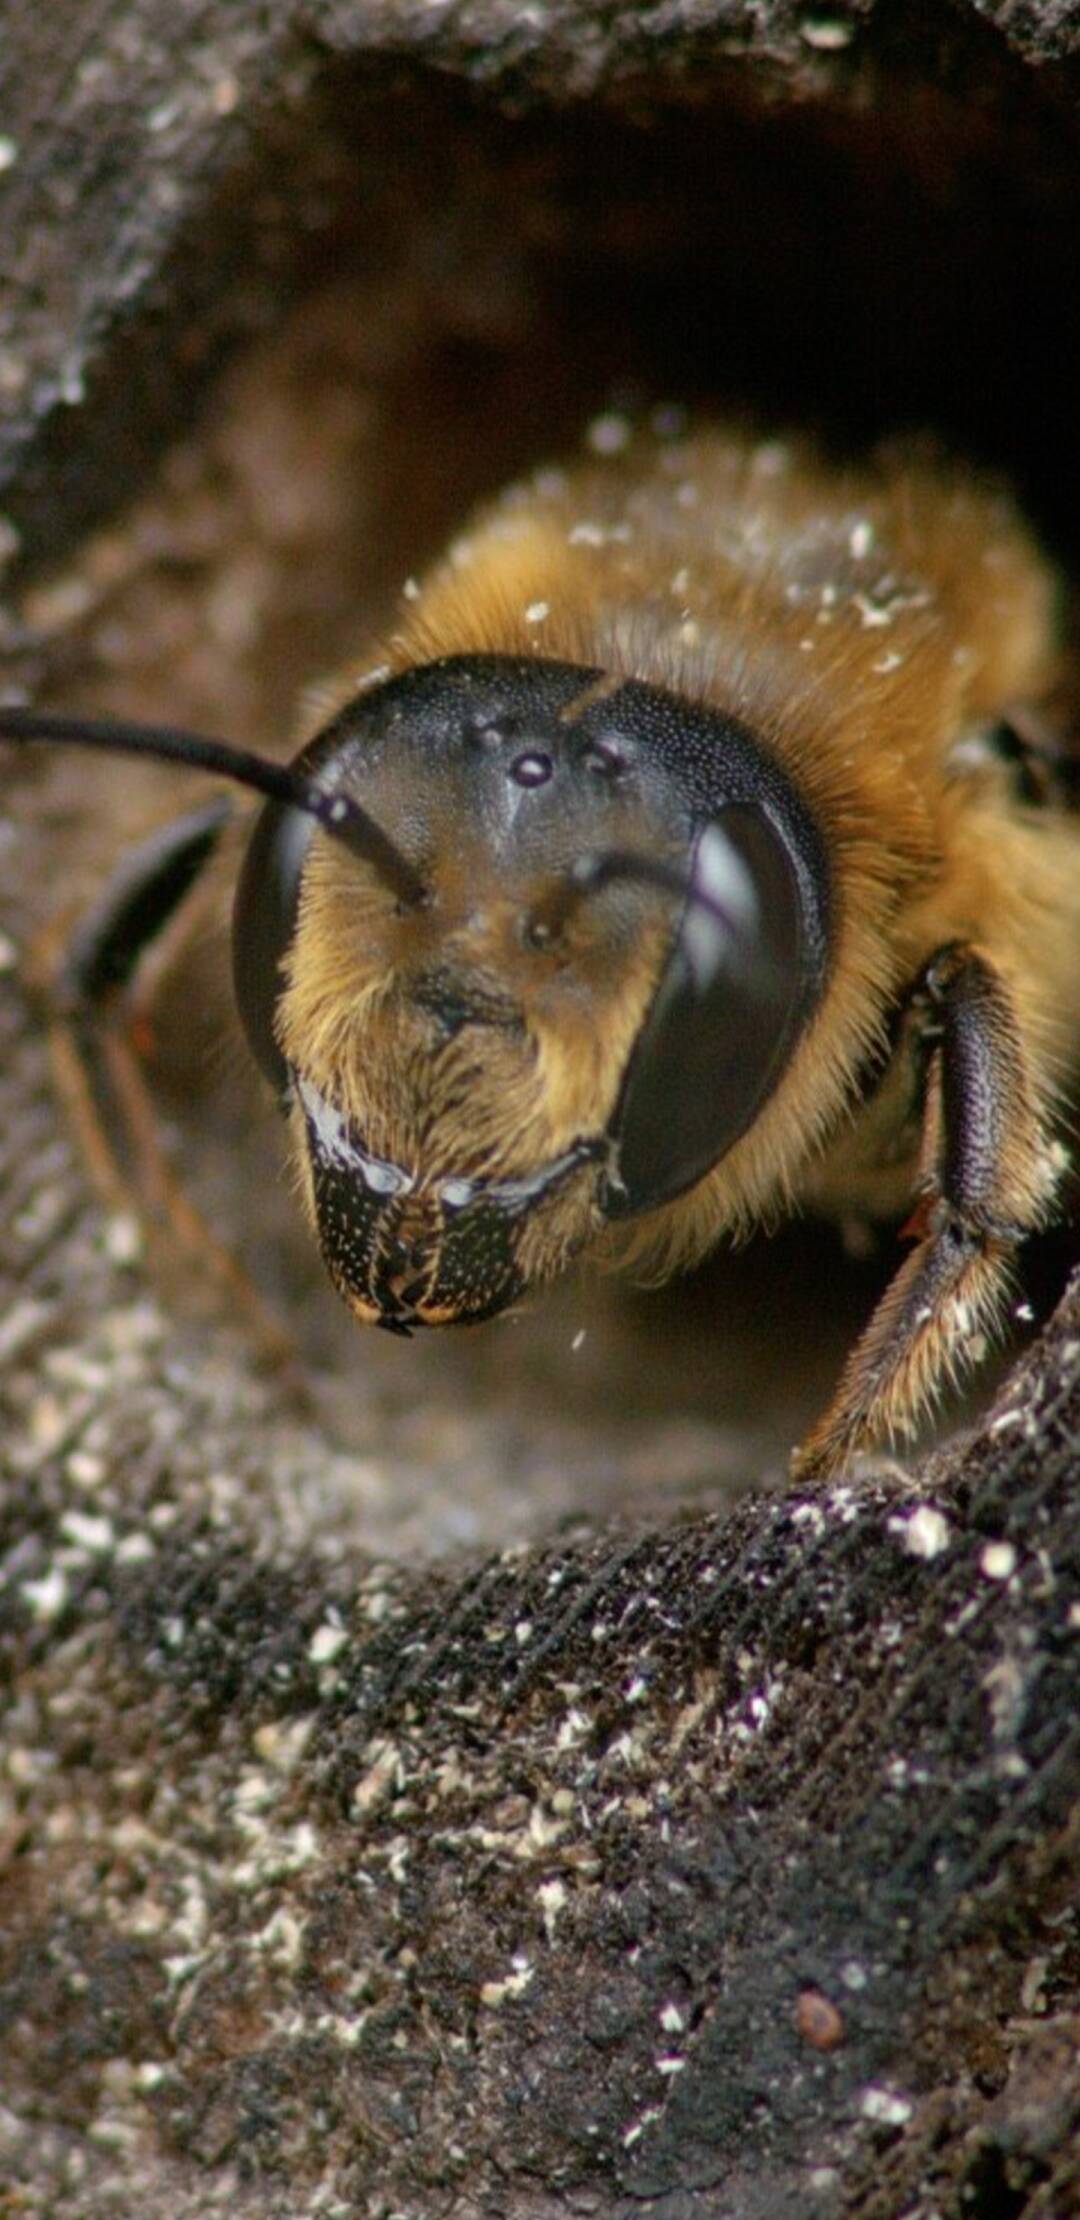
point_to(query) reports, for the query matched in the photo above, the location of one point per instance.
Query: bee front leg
(92, 985)
(86, 978)
(988, 1177)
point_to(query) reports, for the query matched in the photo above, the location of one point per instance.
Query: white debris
(633, 2133)
(925, 1533)
(327, 1642)
(84, 1470)
(133, 1549)
(496, 1993)
(94, 1534)
(384, 1772)
(551, 1896)
(47, 1596)
(885, 2105)
(998, 1561)
(1006, 1419)
(122, 1238)
(23, 1321)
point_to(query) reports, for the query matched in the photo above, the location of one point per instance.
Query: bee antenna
(592, 873)
(337, 813)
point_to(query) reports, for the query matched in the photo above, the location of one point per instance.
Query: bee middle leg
(987, 1179)
(89, 983)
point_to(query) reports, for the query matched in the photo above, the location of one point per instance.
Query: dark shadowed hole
(468, 289)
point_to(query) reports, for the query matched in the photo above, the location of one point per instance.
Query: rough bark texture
(721, 1866)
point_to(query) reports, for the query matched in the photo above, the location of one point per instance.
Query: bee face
(480, 1079)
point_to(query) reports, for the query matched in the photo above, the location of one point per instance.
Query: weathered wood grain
(725, 1867)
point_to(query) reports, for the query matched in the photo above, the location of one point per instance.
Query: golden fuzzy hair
(860, 623)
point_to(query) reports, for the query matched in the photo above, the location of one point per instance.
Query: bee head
(556, 1000)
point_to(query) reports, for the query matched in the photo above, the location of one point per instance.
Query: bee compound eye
(267, 903)
(264, 921)
(602, 760)
(738, 986)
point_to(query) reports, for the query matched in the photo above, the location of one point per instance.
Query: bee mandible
(701, 847)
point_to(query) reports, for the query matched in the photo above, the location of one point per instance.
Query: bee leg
(86, 978)
(987, 1178)
(88, 982)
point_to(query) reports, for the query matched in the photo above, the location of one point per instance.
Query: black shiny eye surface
(264, 921)
(265, 909)
(603, 761)
(738, 986)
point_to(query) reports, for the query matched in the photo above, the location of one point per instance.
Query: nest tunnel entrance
(398, 298)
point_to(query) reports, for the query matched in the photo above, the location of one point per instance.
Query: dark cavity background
(381, 297)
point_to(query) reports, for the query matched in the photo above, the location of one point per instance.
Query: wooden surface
(722, 1866)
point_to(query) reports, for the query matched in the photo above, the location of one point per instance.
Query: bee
(698, 849)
